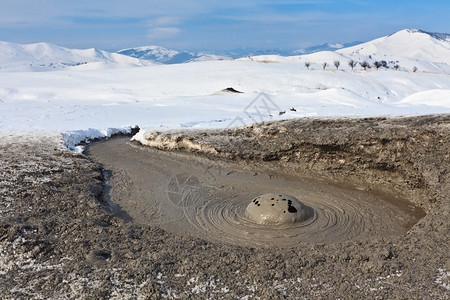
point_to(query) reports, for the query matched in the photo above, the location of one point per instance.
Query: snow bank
(72, 139)
(430, 98)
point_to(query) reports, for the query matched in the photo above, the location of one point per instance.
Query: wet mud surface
(205, 198)
(62, 237)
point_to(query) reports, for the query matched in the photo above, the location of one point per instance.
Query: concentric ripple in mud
(187, 195)
(336, 215)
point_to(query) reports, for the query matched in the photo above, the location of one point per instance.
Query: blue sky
(213, 24)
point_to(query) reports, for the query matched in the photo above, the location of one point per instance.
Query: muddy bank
(59, 239)
(398, 155)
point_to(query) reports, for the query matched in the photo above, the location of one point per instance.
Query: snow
(156, 53)
(413, 44)
(407, 48)
(431, 97)
(111, 93)
(48, 57)
(73, 138)
(443, 279)
(163, 55)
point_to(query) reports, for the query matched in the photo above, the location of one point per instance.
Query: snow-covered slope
(414, 44)
(188, 95)
(315, 60)
(47, 57)
(409, 47)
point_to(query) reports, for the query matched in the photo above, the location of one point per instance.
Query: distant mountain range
(167, 56)
(162, 55)
(409, 45)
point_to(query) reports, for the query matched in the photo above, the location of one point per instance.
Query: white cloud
(264, 17)
(164, 27)
(166, 21)
(163, 32)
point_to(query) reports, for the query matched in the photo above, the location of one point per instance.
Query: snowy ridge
(156, 53)
(410, 44)
(48, 57)
(436, 35)
(162, 55)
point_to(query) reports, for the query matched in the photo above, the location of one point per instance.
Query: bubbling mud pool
(274, 209)
(215, 200)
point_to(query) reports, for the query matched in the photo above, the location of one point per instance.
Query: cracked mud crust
(59, 239)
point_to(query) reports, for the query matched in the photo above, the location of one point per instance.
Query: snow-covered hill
(406, 50)
(166, 56)
(411, 43)
(47, 57)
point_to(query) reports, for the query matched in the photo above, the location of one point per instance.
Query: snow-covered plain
(97, 99)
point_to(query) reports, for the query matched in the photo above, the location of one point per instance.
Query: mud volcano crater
(346, 179)
(378, 190)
